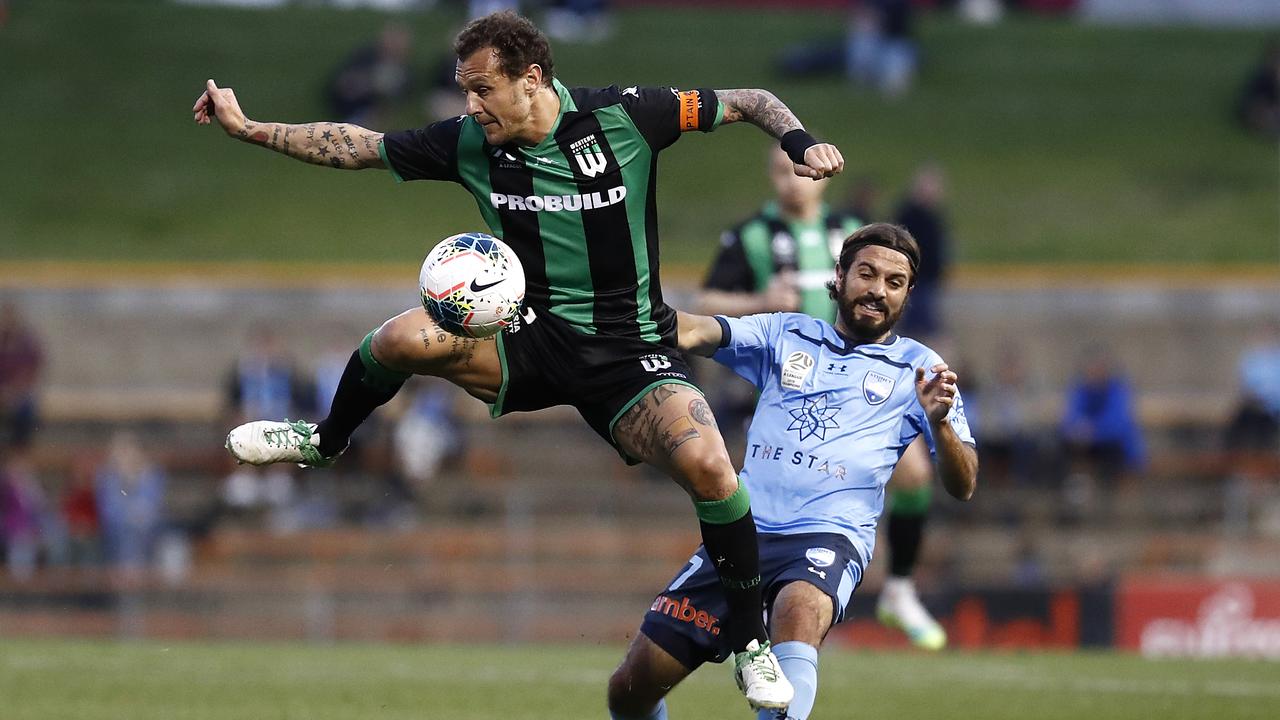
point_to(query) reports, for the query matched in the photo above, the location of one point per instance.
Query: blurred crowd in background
(111, 506)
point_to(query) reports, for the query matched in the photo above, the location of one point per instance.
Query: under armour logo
(820, 573)
(831, 367)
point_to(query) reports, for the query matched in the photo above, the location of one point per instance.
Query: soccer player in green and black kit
(567, 178)
(780, 260)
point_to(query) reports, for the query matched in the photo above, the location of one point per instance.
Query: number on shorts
(695, 562)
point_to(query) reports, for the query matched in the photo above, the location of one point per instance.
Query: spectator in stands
(22, 504)
(263, 380)
(130, 493)
(921, 213)
(1099, 430)
(427, 435)
(369, 83)
(878, 49)
(1258, 108)
(881, 50)
(21, 360)
(579, 21)
(1255, 424)
(1008, 440)
(79, 505)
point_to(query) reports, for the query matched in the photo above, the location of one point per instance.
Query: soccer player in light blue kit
(838, 407)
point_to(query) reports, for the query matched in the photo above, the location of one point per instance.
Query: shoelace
(764, 668)
(759, 659)
(297, 434)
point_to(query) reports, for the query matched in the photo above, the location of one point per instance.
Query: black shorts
(545, 362)
(686, 619)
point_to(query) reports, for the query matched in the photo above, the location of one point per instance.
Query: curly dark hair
(518, 42)
(894, 237)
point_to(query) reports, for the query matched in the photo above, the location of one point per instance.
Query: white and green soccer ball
(472, 284)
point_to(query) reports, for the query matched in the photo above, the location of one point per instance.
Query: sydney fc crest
(876, 388)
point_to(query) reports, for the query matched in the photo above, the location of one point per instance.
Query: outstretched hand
(820, 161)
(938, 393)
(219, 103)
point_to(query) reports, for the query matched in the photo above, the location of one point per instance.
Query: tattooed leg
(412, 343)
(672, 428)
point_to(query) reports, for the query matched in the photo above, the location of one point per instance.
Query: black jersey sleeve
(429, 153)
(662, 113)
(731, 271)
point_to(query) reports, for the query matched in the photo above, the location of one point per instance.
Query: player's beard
(865, 329)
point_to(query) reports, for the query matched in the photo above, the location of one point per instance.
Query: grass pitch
(69, 680)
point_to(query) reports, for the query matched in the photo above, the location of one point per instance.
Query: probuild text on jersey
(556, 203)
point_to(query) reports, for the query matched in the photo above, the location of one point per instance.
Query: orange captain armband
(690, 105)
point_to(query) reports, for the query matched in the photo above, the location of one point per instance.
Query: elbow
(964, 489)
(965, 483)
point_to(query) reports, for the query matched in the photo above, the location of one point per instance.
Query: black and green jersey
(579, 208)
(752, 252)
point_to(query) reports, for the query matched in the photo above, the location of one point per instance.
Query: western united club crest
(591, 159)
(876, 387)
(796, 369)
(820, 556)
(814, 418)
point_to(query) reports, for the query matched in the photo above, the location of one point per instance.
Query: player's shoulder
(905, 350)
(587, 99)
(804, 328)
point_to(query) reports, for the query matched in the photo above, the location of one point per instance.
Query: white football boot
(899, 607)
(760, 678)
(264, 442)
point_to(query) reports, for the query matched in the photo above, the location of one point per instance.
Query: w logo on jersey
(591, 159)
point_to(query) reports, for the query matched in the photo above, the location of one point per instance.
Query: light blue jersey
(832, 421)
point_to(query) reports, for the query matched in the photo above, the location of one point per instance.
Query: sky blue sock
(659, 712)
(799, 663)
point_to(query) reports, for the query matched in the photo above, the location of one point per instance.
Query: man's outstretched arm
(337, 145)
(763, 109)
(698, 334)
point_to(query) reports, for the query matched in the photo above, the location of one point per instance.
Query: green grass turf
(70, 680)
(1063, 142)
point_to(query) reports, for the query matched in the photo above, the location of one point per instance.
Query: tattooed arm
(760, 108)
(337, 145)
(764, 110)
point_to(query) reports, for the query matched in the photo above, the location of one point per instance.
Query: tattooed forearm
(331, 144)
(760, 108)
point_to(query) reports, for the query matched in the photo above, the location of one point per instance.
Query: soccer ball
(472, 284)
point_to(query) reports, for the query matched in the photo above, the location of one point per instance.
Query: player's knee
(627, 697)
(708, 473)
(397, 346)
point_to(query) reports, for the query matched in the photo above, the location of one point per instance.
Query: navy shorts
(545, 362)
(686, 619)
